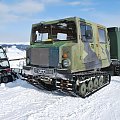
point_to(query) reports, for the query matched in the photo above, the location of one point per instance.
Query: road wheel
(82, 89)
(101, 81)
(90, 86)
(96, 83)
(5, 79)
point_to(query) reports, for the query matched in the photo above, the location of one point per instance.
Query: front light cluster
(66, 63)
(28, 61)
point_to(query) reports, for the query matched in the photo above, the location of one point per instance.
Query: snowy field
(21, 101)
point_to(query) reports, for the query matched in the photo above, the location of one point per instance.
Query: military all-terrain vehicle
(68, 55)
(6, 74)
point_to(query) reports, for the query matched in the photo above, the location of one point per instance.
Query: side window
(102, 35)
(61, 36)
(86, 32)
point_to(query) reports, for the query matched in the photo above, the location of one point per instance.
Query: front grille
(44, 57)
(53, 57)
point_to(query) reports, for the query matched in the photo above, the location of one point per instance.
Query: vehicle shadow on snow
(19, 83)
(25, 84)
(117, 81)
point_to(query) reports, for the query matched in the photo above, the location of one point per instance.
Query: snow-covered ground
(21, 101)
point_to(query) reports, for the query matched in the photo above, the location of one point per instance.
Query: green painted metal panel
(119, 44)
(114, 35)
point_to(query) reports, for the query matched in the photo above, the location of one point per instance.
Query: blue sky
(17, 16)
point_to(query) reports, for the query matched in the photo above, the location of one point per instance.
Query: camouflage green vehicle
(68, 54)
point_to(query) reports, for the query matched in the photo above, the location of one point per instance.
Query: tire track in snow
(32, 104)
(32, 108)
(94, 107)
(25, 102)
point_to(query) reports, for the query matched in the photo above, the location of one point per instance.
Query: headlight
(28, 61)
(66, 63)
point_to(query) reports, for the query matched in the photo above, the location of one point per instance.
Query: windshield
(64, 30)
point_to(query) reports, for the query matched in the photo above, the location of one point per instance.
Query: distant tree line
(20, 46)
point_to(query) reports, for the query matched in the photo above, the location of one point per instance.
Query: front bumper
(38, 71)
(46, 72)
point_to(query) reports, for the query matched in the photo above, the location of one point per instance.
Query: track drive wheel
(82, 89)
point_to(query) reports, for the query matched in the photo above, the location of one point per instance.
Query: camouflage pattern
(82, 55)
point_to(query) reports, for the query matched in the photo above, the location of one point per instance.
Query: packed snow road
(21, 101)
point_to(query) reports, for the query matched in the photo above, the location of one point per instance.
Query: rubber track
(70, 93)
(86, 74)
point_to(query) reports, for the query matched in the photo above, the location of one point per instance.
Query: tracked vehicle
(6, 74)
(68, 55)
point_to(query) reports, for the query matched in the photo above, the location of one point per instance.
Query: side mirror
(88, 34)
